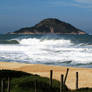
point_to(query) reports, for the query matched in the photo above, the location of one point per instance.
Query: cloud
(73, 3)
(84, 1)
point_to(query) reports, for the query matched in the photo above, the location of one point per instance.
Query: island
(50, 25)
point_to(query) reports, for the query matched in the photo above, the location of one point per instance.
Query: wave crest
(46, 42)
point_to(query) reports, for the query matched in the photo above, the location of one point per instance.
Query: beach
(85, 74)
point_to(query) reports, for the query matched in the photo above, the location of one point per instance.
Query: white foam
(39, 50)
(36, 41)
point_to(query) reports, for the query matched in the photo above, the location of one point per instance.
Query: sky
(16, 14)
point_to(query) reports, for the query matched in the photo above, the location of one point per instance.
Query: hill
(50, 25)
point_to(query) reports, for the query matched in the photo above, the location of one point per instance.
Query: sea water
(51, 49)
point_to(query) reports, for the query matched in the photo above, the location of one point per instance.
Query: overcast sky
(15, 14)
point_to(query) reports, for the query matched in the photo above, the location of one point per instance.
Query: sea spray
(70, 50)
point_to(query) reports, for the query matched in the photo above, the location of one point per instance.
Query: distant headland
(50, 25)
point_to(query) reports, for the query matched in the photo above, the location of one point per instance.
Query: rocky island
(50, 25)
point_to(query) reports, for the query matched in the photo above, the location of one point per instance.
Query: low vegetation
(25, 82)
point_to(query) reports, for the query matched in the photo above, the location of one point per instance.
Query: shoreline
(85, 74)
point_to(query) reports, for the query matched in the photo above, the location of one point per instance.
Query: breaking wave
(55, 50)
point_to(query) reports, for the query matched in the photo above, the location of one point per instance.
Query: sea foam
(47, 50)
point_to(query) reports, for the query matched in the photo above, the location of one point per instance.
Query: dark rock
(50, 25)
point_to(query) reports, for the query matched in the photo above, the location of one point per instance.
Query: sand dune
(85, 75)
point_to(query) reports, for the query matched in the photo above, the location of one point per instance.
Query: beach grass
(25, 82)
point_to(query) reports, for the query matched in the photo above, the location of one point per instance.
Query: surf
(47, 49)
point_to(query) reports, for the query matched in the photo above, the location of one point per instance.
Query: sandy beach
(85, 74)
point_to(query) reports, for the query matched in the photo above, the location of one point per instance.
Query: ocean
(50, 49)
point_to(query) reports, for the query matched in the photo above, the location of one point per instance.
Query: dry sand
(85, 75)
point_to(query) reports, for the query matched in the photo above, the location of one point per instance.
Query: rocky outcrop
(50, 25)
